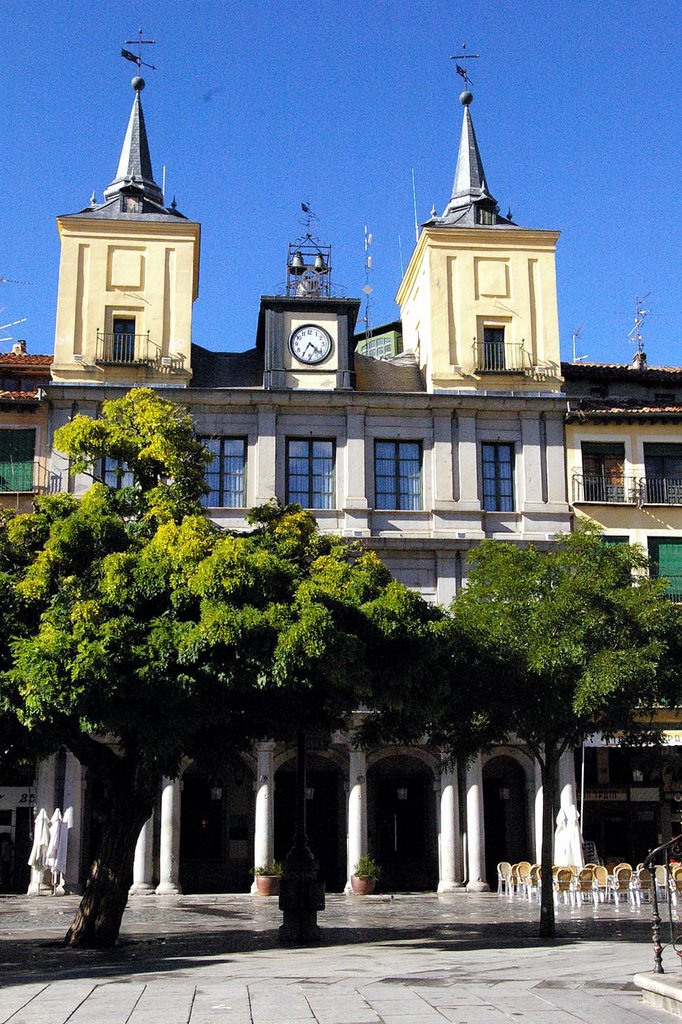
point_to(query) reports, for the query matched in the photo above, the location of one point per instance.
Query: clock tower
(306, 334)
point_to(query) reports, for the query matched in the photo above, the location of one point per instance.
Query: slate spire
(471, 202)
(134, 172)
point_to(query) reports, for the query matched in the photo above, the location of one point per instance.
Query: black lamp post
(301, 892)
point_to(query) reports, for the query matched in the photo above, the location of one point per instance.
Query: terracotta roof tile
(19, 396)
(13, 359)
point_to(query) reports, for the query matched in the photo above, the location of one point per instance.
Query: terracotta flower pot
(362, 886)
(267, 885)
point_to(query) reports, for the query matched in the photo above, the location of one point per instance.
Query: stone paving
(466, 959)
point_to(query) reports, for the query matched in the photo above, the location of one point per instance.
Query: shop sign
(16, 796)
(604, 795)
(672, 737)
(645, 794)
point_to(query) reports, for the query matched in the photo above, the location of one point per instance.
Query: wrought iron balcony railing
(660, 490)
(500, 357)
(122, 349)
(625, 490)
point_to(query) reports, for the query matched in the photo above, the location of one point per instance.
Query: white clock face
(310, 344)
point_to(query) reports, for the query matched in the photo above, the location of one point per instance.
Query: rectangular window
(310, 473)
(498, 477)
(603, 466)
(666, 555)
(663, 468)
(123, 342)
(397, 475)
(17, 450)
(226, 473)
(493, 349)
(116, 475)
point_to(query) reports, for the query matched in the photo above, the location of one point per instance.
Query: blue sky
(257, 106)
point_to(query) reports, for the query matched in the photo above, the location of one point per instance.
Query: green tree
(570, 641)
(155, 637)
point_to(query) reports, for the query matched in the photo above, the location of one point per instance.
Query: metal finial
(138, 82)
(434, 212)
(464, 72)
(174, 205)
(93, 198)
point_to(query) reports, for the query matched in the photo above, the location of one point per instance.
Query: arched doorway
(506, 818)
(402, 823)
(216, 837)
(325, 816)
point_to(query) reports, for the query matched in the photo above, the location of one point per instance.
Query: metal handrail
(123, 349)
(500, 357)
(610, 490)
(662, 490)
(673, 848)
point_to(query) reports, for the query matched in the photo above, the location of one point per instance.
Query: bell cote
(128, 277)
(478, 299)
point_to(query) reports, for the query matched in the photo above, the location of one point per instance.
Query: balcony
(120, 349)
(663, 490)
(625, 490)
(500, 357)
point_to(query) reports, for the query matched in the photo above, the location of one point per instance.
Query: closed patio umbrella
(41, 840)
(55, 857)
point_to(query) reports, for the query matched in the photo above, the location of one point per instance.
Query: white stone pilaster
(468, 463)
(143, 864)
(450, 861)
(355, 499)
(266, 456)
(475, 827)
(357, 811)
(169, 849)
(264, 827)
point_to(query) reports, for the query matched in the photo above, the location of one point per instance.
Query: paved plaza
(467, 959)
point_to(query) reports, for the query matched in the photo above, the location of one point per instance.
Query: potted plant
(365, 876)
(267, 878)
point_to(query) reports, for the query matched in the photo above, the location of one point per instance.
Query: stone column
(143, 864)
(450, 860)
(357, 811)
(567, 787)
(264, 828)
(537, 816)
(476, 827)
(73, 815)
(169, 850)
(45, 787)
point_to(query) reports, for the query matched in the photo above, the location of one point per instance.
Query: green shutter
(17, 448)
(668, 557)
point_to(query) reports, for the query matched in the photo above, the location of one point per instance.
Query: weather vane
(308, 216)
(463, 71)
(137, 59)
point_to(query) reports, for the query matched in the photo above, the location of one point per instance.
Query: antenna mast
(574, 338)
(635, 335)
(367, 290)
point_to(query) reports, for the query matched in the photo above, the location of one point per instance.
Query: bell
(320, 265)
(297, 266)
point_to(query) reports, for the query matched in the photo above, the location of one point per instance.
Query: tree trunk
(548, 775)
(98, 918)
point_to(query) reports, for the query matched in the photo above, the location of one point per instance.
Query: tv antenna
(635, 335)
(137, 58)
(367, 290)
(574, 338)
(4, 327)
(463, 70)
